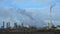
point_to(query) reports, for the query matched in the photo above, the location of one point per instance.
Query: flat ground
(29, 32)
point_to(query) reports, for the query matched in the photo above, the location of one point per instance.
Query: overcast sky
(38, 9)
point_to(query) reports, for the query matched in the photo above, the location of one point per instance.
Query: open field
(29, 32)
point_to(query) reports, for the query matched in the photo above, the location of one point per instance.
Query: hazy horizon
(34, 12)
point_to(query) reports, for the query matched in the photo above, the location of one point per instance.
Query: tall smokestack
(3, 24)
(51, 13)
(8, 25)
(15, 25)
(51, 16)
